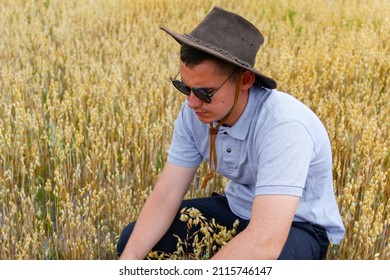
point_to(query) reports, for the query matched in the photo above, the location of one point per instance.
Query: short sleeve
(284, 154)
(182, 150)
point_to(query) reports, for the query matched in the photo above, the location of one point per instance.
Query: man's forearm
(153, 222)
(159, 210)
(246, 246)
(267, 231)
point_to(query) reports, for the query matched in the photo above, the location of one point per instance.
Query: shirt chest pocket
(232, 156)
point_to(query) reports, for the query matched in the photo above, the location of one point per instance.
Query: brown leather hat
(229, 37)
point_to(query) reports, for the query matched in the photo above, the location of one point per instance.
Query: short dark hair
(191, 56)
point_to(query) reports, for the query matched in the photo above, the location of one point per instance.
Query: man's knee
(124, 237)
(302, 244)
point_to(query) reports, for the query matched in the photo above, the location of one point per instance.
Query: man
(274, 150)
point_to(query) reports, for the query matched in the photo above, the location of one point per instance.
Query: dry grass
(204, 238)
(87, 110)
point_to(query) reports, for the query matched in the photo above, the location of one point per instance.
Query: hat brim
(187, 40)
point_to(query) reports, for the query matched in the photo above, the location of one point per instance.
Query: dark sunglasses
(203, 94)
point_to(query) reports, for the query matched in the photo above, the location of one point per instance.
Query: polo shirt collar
(240, 129)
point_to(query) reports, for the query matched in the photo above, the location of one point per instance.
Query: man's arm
(267, 231)
(159, 210)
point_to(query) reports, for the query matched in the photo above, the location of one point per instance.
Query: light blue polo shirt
(278, 146)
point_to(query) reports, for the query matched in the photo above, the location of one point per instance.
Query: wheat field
(87, 112)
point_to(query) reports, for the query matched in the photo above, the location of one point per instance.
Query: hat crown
(229, 37)
(230, 33)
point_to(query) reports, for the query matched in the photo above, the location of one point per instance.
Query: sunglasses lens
(201, 94)
(180, 86)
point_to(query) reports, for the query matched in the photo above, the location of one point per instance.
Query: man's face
(207, 75)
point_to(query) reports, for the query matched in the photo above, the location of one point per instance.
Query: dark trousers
(305, 241)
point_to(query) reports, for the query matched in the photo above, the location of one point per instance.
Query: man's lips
(200, 113)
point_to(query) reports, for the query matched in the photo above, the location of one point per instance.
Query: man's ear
(247, 80)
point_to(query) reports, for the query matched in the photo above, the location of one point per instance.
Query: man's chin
(205, 120)
(206, 117)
